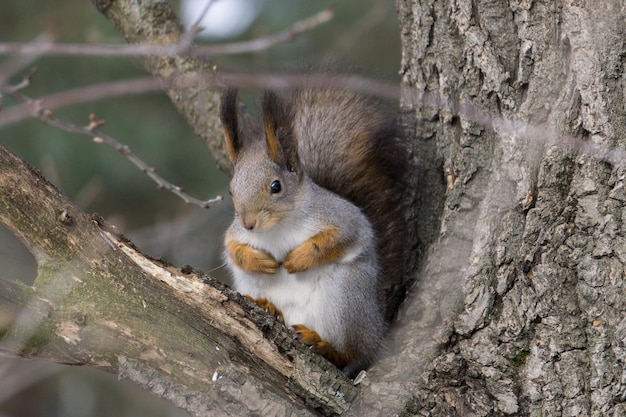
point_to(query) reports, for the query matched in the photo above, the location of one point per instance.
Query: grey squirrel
(317, 223)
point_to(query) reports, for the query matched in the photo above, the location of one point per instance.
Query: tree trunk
(527, 274)
(514, 114)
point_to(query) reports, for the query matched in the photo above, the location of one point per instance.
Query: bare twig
(14, 66)
(187, 41)
(324, 80)
(47, 116)
(514, 128)
(82, 95)
(8, 48)
(142, 85)
(262, 44)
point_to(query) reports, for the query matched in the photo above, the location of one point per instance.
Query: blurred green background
(363, 37)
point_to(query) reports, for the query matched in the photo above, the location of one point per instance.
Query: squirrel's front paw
(300, 259)
(252, 260)
(263, 263)
(323, 248)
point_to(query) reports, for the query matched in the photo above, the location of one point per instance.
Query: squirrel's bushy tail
(350, 144)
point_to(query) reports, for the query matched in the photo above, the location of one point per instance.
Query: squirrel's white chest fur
(300, 296)
(303, 297)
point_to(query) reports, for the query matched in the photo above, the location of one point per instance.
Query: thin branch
(14, 66)
(187, 41)
(262, 44)
(47, 116)
(513, 128)
(322, 80)
(44, 48)
(147, 84)
(83, 95)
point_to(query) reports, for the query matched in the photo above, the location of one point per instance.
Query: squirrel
(318, 237)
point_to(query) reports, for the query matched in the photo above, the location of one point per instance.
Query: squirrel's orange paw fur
(320, 346)
(268, 306)
(307, 336)
(300, 259)
(324, 247)
(250, 259)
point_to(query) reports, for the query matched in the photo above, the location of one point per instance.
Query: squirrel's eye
(275, 187)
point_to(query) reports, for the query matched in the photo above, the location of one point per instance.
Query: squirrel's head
(267, 179)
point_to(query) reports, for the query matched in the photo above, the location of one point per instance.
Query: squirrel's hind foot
(268, 306)
(320, 346)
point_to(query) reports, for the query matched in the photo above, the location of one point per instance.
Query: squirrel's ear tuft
(228, 116)
(277, 121)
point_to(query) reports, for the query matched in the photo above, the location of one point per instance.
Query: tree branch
(45, 115)
(184, 47)
(143, 85)
(98, 302)
(80, 95)
(155, 23)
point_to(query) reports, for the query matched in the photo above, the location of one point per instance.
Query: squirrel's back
(350, 144)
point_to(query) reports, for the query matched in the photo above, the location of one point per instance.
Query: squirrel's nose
(248, 222)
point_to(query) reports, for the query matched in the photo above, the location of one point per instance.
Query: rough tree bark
(532, 247)
(98, 302)
(519, 303)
